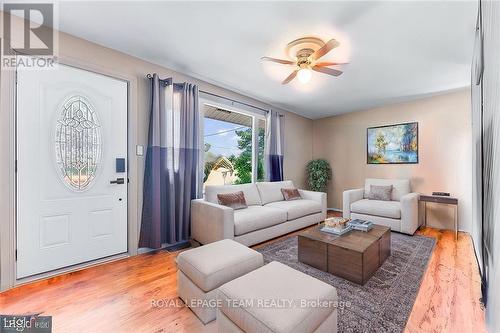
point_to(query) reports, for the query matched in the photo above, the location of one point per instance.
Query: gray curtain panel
(486, 165)
(490, 129)
(274, 146)
(477, 168)
(172, 175)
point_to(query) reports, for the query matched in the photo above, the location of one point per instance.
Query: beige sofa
(268, 215)
(400, 214)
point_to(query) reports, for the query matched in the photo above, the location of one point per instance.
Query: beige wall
(298, 148)
(444, 151)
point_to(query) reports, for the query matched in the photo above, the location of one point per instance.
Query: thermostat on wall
(139, 150)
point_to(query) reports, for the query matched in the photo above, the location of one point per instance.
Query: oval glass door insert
(78, 143)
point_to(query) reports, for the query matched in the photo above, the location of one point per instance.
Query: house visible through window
(234, 147)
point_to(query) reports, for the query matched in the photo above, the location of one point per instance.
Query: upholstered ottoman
(279, 299)
(203, 269)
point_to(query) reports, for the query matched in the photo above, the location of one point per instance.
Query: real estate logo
(29, 38)
(25, 324)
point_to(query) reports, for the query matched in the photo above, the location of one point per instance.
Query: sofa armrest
(409, 213)
(211, 222)
(319, 197)
(348, 197)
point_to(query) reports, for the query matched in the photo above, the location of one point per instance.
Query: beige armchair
(400, 213)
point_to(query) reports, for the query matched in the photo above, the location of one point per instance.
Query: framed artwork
(392, 144)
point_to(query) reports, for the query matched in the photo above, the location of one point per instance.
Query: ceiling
(397, 50)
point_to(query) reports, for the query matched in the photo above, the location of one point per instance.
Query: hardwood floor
(448, 299)
(134, 295)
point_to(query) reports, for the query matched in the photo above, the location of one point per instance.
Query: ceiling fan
(306, 52)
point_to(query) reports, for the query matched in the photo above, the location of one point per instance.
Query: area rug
(384, 303)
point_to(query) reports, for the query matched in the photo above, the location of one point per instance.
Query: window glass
(77, 143)
(228, 144)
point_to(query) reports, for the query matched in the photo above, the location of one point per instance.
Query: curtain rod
(149, 76)
(232, 100)
(163, 81)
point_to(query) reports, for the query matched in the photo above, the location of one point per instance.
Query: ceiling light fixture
(305, 53)
(304, 75)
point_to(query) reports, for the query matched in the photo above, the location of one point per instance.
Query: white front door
(71, 143)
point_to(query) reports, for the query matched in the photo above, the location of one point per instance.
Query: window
(232, 155)
(77, 143)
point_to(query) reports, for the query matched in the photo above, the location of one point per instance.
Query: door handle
(118, 181)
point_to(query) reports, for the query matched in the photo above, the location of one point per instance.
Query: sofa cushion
(233, 200)
(391, 209)
(290, 194)
(400, 187)
(210, 266)
(271, 191)
(380, 192)
(255, 218)
(252, 196)
(276, 283)
(297, 208)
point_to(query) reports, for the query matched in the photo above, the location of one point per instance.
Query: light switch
(139, 150)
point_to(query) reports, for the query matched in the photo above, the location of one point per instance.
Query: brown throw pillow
(234, 200)
(379, 192)
(290, 194)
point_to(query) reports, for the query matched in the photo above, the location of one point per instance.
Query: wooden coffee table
(354, 256)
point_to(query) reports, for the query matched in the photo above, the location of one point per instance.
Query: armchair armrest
(348, 197)
(211, 222)
(409, 213)
(319, 197)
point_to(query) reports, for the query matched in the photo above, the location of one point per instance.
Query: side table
(445, 200)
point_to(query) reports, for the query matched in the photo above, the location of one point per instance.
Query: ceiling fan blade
(323, 64)
(279, 61)
(290, 77)
(331, 44)
(326, 70)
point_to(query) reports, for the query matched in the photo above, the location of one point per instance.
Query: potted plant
(319, 173)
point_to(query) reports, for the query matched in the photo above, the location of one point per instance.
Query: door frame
(8, 192)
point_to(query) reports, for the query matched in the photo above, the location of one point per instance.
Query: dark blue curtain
(274, 146)
(172, 175)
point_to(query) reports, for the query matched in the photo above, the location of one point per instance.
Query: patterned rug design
(384, 303)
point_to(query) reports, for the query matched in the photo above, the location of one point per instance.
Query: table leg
(425, 213)
(456, 222)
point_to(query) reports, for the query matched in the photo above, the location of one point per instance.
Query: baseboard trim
(69, 269)
(335, 209)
